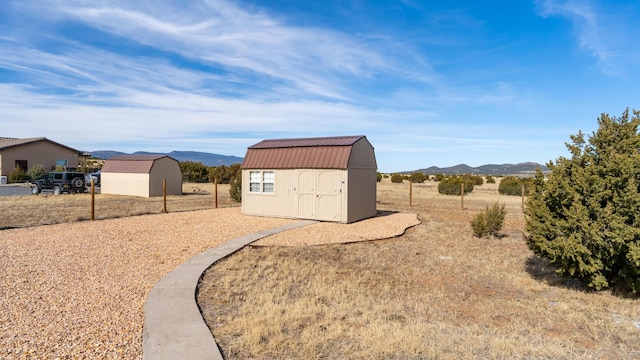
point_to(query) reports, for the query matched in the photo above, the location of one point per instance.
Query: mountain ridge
(207, 159)
(525, 168)
(211, 159)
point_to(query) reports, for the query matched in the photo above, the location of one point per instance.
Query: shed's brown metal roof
(306, 142)
(131, 164)
(305, 153)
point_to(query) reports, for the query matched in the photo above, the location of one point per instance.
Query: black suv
(60, 182)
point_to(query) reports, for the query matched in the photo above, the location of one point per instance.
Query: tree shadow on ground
(540, 269)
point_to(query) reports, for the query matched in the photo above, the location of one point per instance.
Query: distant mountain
(489, 169)
(207, 159)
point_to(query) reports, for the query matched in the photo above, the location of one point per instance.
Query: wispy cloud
(605, 32)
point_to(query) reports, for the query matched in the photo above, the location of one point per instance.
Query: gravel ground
(383, 226)
(77, 290)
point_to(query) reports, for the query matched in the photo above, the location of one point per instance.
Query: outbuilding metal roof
(307, 142)
(131, 164)
(308, 153)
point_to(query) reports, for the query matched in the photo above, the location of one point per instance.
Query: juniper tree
(586, 217)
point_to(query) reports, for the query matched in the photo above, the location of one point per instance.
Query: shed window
(262, 181)
(268, 181)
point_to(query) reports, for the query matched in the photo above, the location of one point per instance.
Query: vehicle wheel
(57, 190)
(35, 189)
(77, 182)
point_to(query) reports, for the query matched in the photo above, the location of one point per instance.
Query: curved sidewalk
(173, 326)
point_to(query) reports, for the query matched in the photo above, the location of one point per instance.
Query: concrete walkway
(173, 326)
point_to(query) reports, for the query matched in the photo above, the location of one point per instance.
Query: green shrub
(491, 180)
(438, 177)
(194, 171)
(451, 185)
(511, 185)
(378, 177)
(585, 217)
(477, 180)
(224, 174)
(235, 187)
(489, 222)
(36, 172)
(396, 178)
(417, 177)
(17, 175)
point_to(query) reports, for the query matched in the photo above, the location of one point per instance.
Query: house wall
(169, 169)
(40, 152)
(133, 184)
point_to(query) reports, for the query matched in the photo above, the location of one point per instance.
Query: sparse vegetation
(397, 178)
(235, 187)
(585, 218)
(17, 175)
(451, 185)
(491, 180)
(489, 222)
(439, 293)
(511, 185)
(194, 171)
(36, 172)
(417, 177)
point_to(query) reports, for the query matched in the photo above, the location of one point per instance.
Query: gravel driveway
(77, 290)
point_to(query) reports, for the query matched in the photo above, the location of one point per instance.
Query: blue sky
(428, 82)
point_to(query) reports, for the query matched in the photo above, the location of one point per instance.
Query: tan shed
(327, 179)
(141, 175)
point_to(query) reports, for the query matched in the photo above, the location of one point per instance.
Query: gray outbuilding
(141, 175)
(326, 178)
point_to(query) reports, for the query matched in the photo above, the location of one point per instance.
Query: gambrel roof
(132, 164)
(308, 153)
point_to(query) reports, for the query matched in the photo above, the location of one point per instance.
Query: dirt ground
(436, 292)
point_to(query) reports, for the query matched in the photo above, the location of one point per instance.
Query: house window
(262, 182)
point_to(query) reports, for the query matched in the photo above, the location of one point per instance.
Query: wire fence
(20, 208)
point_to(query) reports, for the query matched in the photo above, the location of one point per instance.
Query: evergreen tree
(585, 218)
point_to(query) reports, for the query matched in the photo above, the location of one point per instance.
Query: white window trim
(261, 183)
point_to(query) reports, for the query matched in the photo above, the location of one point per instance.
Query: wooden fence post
(215, 186)
(523, 196)
(93, 199)
(164, 195)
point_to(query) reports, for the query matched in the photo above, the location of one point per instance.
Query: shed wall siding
(169, 169)
(362, 156)
(362, 194)
(282, 203)
(40, 152)
(125, 184)
(316, 194)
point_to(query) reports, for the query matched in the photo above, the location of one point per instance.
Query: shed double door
(320, 194)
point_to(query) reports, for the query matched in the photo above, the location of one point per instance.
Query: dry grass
(436, 292)
(45, 209)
